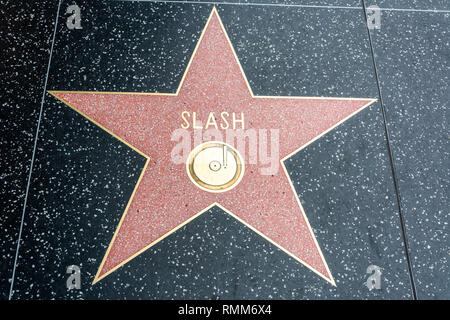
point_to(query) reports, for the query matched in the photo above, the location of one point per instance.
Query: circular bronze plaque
(215, 166)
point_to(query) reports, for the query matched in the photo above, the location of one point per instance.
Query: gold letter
(194, 120)
(211, 117)
(185, 126)
(238, 120)
(224, 120)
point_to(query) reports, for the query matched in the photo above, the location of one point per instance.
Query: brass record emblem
(215, 166)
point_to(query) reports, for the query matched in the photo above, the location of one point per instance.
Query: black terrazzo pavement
(83, 177)
(412, 51)
(25, 40)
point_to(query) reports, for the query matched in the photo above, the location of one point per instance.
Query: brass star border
(214, 11)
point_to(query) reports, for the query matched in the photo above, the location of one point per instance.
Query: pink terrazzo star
(165, 199)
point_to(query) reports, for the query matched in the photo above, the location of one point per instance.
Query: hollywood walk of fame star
(165, 198)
